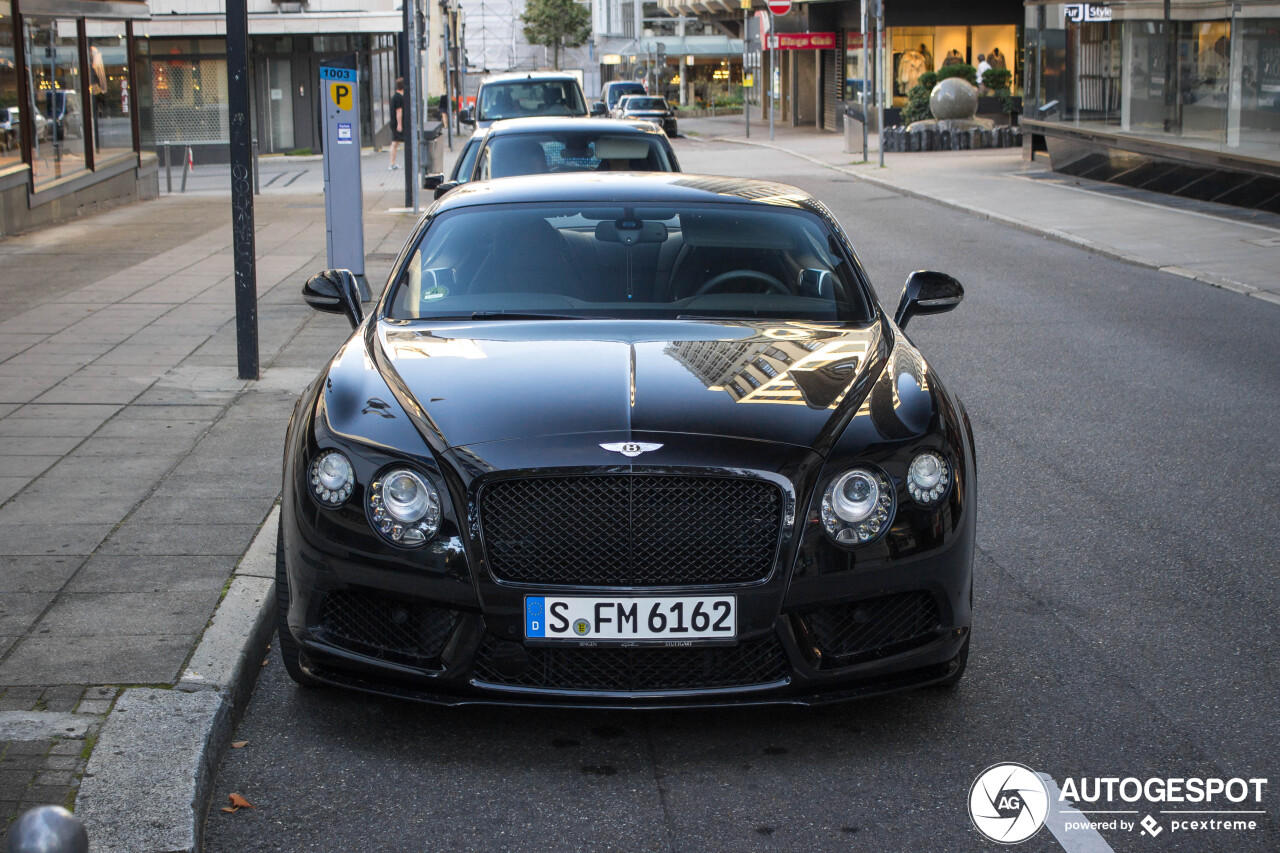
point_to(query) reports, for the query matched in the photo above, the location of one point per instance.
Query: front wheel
(289, 651)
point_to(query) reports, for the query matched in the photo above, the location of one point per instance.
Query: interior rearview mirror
(335, 292)
(927, 292)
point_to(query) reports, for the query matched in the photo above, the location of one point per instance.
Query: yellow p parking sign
(341, 95)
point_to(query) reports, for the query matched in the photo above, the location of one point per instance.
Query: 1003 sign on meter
(674, 619)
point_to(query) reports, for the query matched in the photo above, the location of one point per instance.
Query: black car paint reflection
(779, 406)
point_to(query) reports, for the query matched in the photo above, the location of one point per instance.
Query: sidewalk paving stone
(135, 467)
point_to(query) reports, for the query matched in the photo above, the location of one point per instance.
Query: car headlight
(857, 506)
(928, 478)
(332, 478)
(404, 507)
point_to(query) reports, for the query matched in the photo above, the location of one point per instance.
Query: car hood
(472, 383)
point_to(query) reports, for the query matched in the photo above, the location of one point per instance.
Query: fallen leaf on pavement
(240, 802)
(239, 744)
(229, 810)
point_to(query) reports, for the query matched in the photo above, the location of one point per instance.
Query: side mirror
(335, 292)
(443, 188)
(599, 109)
(464, 116)
(927, 292)
(430, 182)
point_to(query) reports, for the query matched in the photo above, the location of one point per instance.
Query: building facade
(819, 62)
(72, 122)
(1180, 96)
(186, 44)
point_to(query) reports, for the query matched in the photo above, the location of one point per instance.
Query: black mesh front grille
(397, 630)
(636, 670)
(873, 627)
(631, 530)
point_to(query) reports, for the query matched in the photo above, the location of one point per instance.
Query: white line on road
(1077, 840)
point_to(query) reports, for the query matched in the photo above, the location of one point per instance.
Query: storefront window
(1258, 129)
(189, 90)
(10, 126)
(52, 50)
(1212, 84)
(142, 79)
(109, 95)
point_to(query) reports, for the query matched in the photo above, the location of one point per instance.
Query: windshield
(572, 151)
(608, 261)
(637, 103)
(521, 98)
(619, 90)
(462, 171)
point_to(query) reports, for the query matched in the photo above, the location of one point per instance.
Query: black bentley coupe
(627, 440)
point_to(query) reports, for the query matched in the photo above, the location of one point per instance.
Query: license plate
(672, 619)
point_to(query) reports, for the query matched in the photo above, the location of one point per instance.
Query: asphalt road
(1125, 618)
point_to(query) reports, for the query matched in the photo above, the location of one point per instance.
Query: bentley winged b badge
(631, 448)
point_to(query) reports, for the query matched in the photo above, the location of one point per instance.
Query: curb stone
(1050, 233)
(147, 786)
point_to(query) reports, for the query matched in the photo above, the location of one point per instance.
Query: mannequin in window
(997, 60)
(953, 58)
(911, 65)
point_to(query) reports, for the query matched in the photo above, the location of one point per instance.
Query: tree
(556, 24)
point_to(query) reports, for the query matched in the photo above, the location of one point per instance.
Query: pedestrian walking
(983, 68)
(397, 122)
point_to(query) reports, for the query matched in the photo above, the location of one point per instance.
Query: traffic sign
(779, 7)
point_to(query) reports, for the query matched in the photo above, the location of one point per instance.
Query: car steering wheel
(773, 284)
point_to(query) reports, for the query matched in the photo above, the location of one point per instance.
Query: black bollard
(47, 829)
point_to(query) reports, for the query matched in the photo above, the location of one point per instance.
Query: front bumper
(424, 638)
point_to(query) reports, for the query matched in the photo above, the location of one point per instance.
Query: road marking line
(1085, 840)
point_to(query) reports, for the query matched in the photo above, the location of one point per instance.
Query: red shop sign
(802, 41)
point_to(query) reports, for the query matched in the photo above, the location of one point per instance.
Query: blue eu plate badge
(535, 617)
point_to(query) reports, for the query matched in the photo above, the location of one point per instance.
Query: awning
(676, 46)
(115, 9)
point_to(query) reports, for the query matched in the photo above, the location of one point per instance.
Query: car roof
(528, 75)
(627, 187)
(543, 124)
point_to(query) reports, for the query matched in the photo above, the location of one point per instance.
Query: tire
(289, 651)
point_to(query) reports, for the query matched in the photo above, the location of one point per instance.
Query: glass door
(279, 104)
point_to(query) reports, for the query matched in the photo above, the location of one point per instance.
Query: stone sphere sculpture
(953, 99)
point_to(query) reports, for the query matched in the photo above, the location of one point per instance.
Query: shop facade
(71, 127)
(1173, 96)
(818, 66)
(187, 53)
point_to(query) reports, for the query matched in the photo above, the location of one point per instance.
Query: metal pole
(257, 187)
(243, 251)
(408, 129)
(186, 166)
(879, 85)
(866, 111)
(448, 77)
(168, 171)
(746, 45)
(772, 71)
